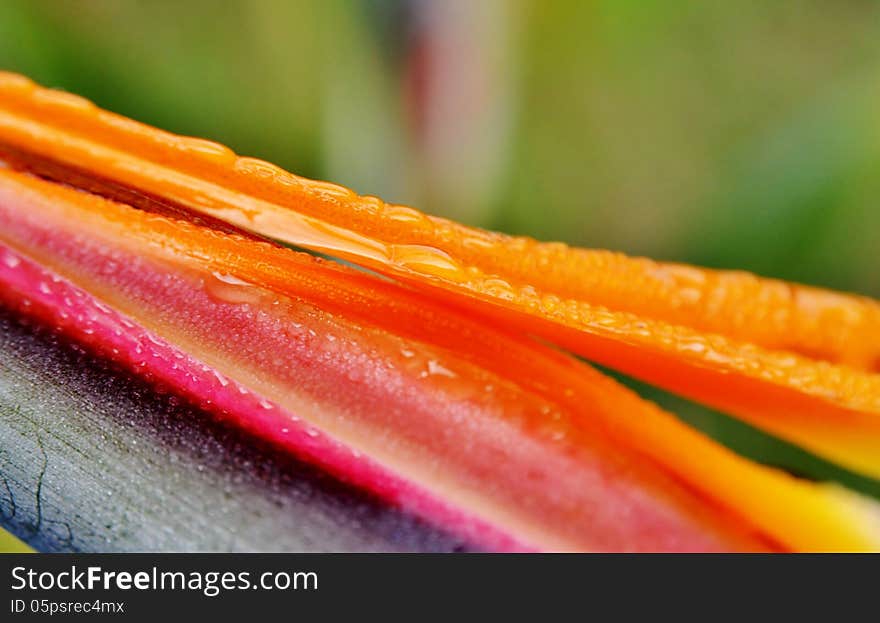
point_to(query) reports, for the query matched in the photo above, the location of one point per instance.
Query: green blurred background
(742, 134)
(734, 134)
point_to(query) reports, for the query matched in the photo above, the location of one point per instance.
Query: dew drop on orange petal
(329, 190)
(694, 346)
(371, 204)
(403, 214)
(549, 303)
(677, 275)
(311, 233)
(528, 291)
(435, 368)
(477, 242)
(257, 168)
(207, 149)
(427, 260)
(499, 288)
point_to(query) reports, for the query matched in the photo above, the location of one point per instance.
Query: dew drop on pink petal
(227, 288)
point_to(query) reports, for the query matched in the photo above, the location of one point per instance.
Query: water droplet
(222, 379)
(230, 289)
(331, 190)
(498, 288)
(428, 260)
(477, 242)
(693, 346)
(403, 214)
(528, 291)
(550, 302)
(207, 149)
(11, 260)
(257, 167)
(436, 369)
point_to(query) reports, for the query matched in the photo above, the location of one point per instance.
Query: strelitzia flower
(438, 378)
